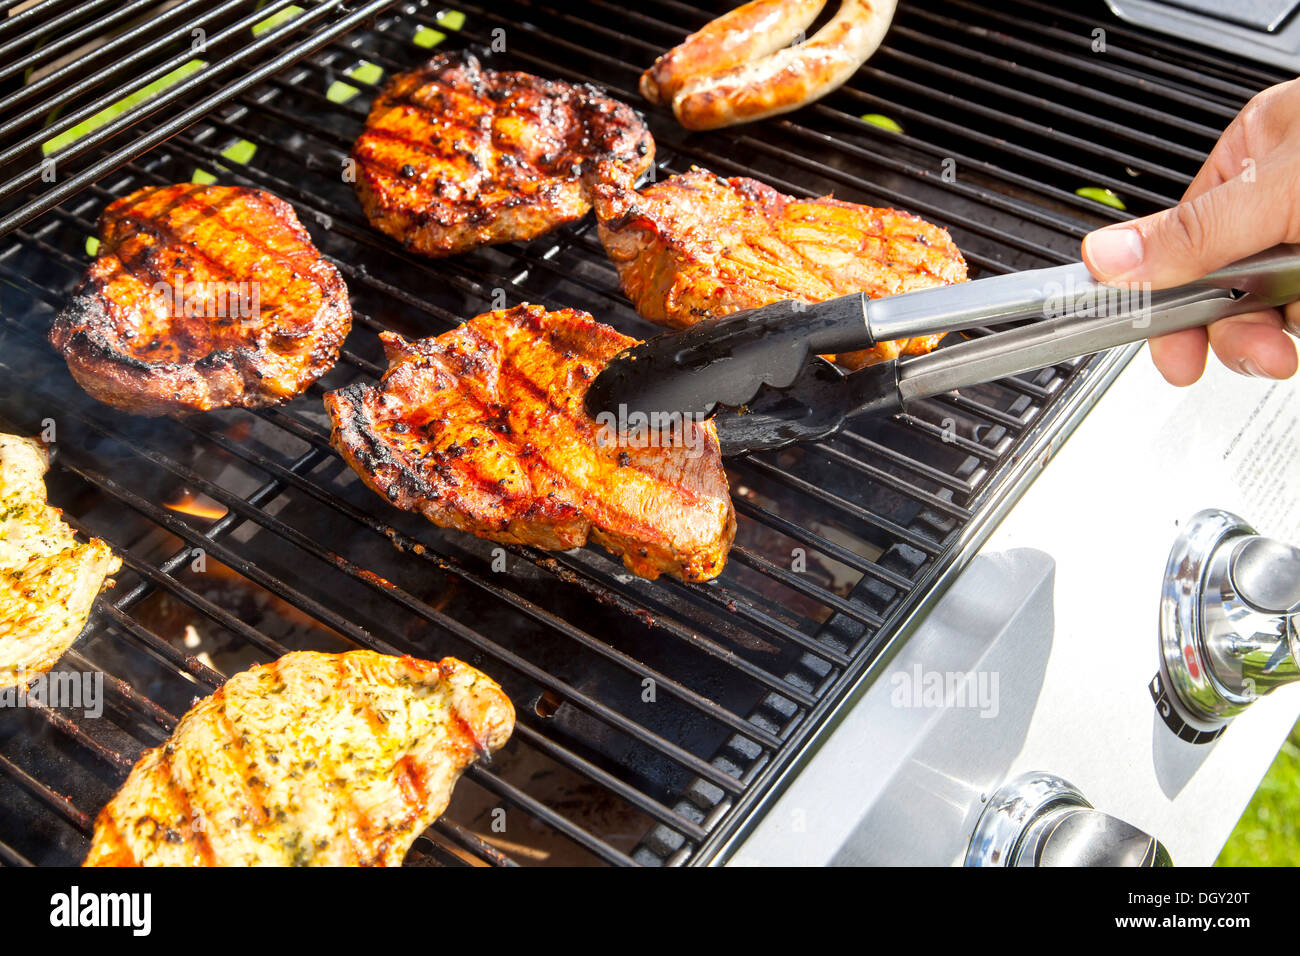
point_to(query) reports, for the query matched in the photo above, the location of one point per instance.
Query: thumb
(1229, 222)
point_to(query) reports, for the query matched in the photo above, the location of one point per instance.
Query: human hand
(1245, 199)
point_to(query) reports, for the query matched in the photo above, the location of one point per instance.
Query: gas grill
(658, 721)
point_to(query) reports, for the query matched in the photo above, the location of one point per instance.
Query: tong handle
(1269, 279)
(1060, 291)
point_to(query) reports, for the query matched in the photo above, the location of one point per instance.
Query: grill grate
(839, 544)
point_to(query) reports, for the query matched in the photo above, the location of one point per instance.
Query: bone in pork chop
(202, 297)
(454, 156)
(698, 245)
(483, 429)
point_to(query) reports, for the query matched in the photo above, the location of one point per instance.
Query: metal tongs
(758, 373)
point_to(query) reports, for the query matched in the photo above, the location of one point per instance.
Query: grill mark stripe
(239, 757)
(359, 824)
(617, 522)
(464, 468)
(581, 426)
(113, 847)
(191, 837)
(163, 228)
(531, 187)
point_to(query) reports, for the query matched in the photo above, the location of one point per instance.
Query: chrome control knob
(1041, 820)
(1229, 613)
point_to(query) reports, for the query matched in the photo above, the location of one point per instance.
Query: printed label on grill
(1254, 432)
(1169, 714)
(1262, 456)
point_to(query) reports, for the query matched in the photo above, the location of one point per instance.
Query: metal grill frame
(1057, 398)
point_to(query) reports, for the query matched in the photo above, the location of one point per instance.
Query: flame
(198, 505)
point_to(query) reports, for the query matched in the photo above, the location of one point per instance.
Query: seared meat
(697, 245)
(454, 156)
(734, 70)
(202, 297)
(48, 579)
(311, 760)
(745, 34)
(483, 429)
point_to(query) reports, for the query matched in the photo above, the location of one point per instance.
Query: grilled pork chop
(698, 245)
(454, 156)
(311, 760)
(202, 297)
(483, 429)
(48, 579)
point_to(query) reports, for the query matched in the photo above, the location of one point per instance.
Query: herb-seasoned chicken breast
(698, 245)
(48, 579)
(483, 429)
(312, 760)
(454, 156)
(202, 297)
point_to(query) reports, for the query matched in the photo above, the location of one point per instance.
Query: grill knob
(1228, 623)
(1041, 820)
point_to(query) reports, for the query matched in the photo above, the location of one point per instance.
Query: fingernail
(1113, 252)
(1247, 366)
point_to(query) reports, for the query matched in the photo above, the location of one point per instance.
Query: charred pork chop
(698, 245)
(311, 760)
(454, 156)
(48, 579)
(202, 297)
(483, 429)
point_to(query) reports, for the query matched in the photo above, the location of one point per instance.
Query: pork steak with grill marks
(483, 429)
(698, 245)
(202, 297)
(454, 156)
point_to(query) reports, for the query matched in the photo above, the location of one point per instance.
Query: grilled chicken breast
(48, 579)
(483, 429)
(311, 760)
(454, 156)
(698, 245)
(202, 297)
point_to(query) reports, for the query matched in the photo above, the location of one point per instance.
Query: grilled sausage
(789, 78)
(483, 429)
(312, 760)
(749, 32)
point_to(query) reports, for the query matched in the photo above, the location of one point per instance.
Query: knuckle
(1186, 229)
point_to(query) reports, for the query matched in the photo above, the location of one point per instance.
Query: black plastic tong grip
(729, 358)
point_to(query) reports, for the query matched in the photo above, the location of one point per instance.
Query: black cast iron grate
(656, 718)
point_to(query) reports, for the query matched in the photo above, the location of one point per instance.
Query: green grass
(1268, 833)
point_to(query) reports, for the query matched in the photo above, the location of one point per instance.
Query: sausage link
(746, 33)
(789, 78)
